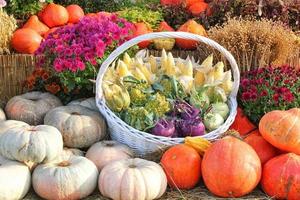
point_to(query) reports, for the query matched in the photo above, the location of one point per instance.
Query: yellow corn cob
(138, 74)
(207, 63)
(127, 60)
(219, 71)
(170, 68)
(186, 82)
(153, 64)
(227, 83)
(199, 78)
(122, 69)
(148, 75)
(164, 60)
(187, 68)
(198, 143)
(210, 77)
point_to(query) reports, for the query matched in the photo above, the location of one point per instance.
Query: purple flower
(2, 3)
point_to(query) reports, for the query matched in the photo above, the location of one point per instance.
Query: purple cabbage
(164, 128)
(185, 111)
(190, 127)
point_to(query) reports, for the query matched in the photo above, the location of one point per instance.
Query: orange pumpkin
(197, 8)
(171, 2)
(182, 165)
(192, 27)
(35, 24)
(55, 15)
(50, 31)
(140, 29)
(75, 13)
(188, 3)
(91, 15)
(231, 168)
(26, 40)
(281, 177)
(164, 26)
(242, 124)
(264, 150)
(282, 129)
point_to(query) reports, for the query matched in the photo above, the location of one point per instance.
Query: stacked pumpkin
(28, 38)
(51, 152)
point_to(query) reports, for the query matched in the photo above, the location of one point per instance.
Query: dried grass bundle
(256, 43)
(8, 25)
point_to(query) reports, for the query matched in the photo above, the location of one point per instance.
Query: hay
(199, 193)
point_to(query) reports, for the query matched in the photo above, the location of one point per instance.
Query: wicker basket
(13, 71)
(144, 144)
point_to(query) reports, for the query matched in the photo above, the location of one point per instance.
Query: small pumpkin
(75, 13)
(182, 165)
(281, 177)
(67, 153)
(55, 15)
(9, 124)
(31, 144)
(35, 24)
(2, 115)
(81, 127)
(31, 107)
(72, 179)
(132, 179)
(242, 124)
(264, 150)
(26, 40)
(141, 29)
(102, 153)
(197, 8)
(190, 26)
(170, 2)
(52, 30)
(15, 179)
(88, 103)
(231, 168)
(282, 129)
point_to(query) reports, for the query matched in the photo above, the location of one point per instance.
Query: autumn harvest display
(149, 99)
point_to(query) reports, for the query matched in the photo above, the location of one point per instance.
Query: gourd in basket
(151, 103)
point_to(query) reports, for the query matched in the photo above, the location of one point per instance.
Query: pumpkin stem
(233, 133)
(32, 129)
(75, 113)
(64, 164)
(109, 143)
(132, 166)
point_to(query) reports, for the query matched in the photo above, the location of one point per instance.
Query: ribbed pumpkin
(35, 24)
(231, 168)
(26, 40)
(31, 107)
(88, 103)
(190, 26)
(72, 179)
(9, 124)
(55, 15)
(15, 179)
(182, 165)
(2, 115)
(75, 13)
(281, 177)
(282, 129)
(66, 154)
(264, 150)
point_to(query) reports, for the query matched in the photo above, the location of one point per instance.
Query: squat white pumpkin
(14, 179)
(132, 179)
(31, 144)
(67, 153)
(9, 124)
(88, 103)
(2, 115)
(80, 126)
(71, 179)
(102, 153)
(31, 107)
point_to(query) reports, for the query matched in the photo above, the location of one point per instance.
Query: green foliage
(22, 9)
(138, 14)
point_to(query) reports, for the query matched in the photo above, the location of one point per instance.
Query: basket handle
(183, 35)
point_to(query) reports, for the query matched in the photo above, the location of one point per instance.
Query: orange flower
(31, 79)
(45, 76)
(66, 91)
(52, 88)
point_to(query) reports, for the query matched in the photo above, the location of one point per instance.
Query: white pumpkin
(80, 126)
(31, 107)
(67, 153)
(9, 124)
(102, 153)
(2, 115)
(14, 179)
(88, 103)
(32, 144)
(132, 179)
(74, 178)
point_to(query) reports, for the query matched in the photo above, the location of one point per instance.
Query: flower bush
(266, 89)
(76, 51)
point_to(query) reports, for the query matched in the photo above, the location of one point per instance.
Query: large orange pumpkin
(140, 29)
(35, 24)
(231, 168)
(282, 129)
(26, 40)
(55, 15)
(264, 150)
(197, 8)
(182, 165)
(75, 13)
(190, 26)
(242, 124)
(281, 177)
